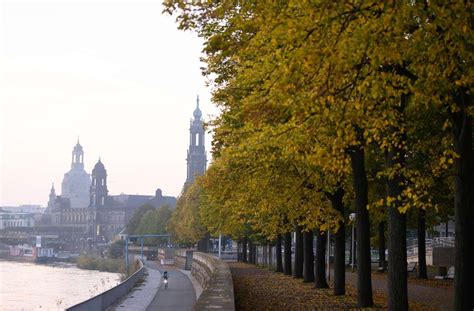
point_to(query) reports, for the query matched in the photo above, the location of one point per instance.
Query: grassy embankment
(106, 264)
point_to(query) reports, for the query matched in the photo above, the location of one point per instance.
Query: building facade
(16, 220)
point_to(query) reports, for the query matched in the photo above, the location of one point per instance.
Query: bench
(383, 268)
(448, 276)
(411, 267)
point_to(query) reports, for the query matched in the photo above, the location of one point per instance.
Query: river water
(27, 286)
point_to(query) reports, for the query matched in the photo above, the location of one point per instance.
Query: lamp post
(328, 256)
(220, 243)
(352, 218)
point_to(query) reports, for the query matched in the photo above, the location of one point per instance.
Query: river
(27, 286)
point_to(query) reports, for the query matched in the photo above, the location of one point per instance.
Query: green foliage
(101, 264)
(185, 223)
(137, 217)
(116, 249)
(154, 221)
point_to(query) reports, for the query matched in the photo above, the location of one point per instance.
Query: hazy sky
(116, 73)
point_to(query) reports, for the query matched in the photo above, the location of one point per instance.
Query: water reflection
(27, 286)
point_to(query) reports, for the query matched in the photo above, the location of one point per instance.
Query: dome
(197, 112)
(99, 166)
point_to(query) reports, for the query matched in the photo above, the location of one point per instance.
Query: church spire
(52, 198)
(77, 156)
(196, 153)
(197, 112)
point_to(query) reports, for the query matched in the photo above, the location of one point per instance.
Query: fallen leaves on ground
(449, 284)
(261, 289)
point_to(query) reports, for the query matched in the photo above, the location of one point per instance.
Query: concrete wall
(443, 256)
(183, 259)
(216, 279)
(107, 298)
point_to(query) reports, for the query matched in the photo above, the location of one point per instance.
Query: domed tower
(77, 157)
(76, 182)
(98, 189)
(52, 199)
(196, 158)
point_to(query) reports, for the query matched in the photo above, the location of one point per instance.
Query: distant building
(76, 182)
(26, 208)
(101, 216)
(16, 220)
(196, 159)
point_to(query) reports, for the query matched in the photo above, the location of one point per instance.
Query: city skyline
(127, 89)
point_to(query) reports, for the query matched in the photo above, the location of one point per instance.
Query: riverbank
(88, 262)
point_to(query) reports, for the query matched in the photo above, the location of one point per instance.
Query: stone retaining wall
(183, 258)
(216, 279)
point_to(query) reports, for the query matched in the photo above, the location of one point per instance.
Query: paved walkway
(141, 295)
(179, 295)
(151, 294)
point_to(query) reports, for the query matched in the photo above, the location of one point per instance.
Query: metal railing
(412, 250)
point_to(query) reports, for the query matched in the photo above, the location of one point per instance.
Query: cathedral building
(76, 182)
(97, 215)
(196, 159)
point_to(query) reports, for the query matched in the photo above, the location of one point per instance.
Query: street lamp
(328, 256)
(352, 218)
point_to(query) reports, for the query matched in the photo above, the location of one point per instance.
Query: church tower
(77, 157)
(76, 182)
(52, 199)
(98, 190)
(196, 158)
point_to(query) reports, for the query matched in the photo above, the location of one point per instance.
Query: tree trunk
(320, 268)
(364, 281)
(287, 250)
(279, 261)
(270, 260)
(463, 204)
(422, 273)
(340, 247)
(244, 249)
(382, 244)
(255, 254)
(251, 252)
(397, 246)
(299, 260)
(239, 250)
(308, 268)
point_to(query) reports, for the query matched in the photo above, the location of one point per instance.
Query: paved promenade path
(179, 295)
(151, 294)
(141, 295)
